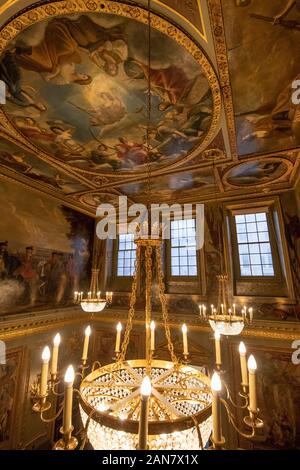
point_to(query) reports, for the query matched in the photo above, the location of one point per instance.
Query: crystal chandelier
(179, 405)
(226, 319)
(93, 303)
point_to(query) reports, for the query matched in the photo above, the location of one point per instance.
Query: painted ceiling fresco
(77, 89)
(256, 172)
(264, 59)
(22, 162)
(173, 187)
(77, 75)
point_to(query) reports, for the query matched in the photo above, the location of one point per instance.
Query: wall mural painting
(24, 163)
(173, 187)
(292, 233)
(77, 88)
(262, 38)
(9, 390)
(45, 251)
(256, 172)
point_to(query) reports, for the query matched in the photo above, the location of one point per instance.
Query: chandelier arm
(232, 421)
(132, 307)
(50, 420)
(245, 397)
(163, 301)
(95, 364)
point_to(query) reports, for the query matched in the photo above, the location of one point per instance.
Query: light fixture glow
(46, 354)
(88, 331)
(217, 335)
(70, 375)
(252, 363)
(57, 339)
(216, 384)
(146, 387)
(242, 348)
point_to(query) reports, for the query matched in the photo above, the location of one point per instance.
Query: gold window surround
(278, 288)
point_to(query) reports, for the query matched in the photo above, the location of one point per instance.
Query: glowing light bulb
(216, 384)
(70, 375)
(252, 363)
(242, 348)
(146, 386)
(46, 354)
(88, 331)
(57, 340)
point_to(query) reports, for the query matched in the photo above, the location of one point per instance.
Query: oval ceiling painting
(257, 172)
(77, 88)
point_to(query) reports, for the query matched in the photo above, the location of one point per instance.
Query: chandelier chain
(132, 307)
(148, 255)
(149, 112)
(164, 307)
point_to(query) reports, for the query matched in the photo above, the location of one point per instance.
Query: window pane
(239, 219)
(256, 270)
(250, 217)
(183, 248)
(241, 228)
(126, 255)
(245, 271)
(252, 237)
(261, 216)
(254, 248)
(268, 270)
(242, 238)
(263, 237)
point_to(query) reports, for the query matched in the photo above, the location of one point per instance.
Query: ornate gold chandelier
(179, 404)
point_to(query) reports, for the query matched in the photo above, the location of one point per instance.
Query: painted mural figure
(27, 274)
(11, 76)
(56, 57)
(170, 84)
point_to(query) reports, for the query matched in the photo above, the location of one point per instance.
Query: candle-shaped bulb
(216, 384)
(146, 387)
(252, 366)
(46, 354)
(152, 326)
(217, 335)
(119, 326)
(70, 375)
(184, 328)
(242, 348)
(88, 331)
(57, 339)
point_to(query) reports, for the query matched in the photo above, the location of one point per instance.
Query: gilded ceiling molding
(191, 8)
(216, 15)
(43, 12)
